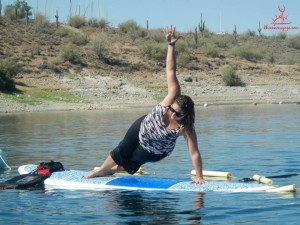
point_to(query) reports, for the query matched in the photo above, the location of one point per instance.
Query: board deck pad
(73, 179)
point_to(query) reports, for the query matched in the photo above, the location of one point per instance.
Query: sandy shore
(95, 95)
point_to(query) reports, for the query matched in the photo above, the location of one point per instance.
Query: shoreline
(141, 98)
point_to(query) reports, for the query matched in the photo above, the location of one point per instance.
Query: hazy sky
(219, 15)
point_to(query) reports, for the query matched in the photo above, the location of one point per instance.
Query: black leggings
(130, 154)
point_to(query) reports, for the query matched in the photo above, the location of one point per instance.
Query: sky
(219, 15)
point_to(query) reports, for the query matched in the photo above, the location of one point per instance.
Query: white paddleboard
(73, 179)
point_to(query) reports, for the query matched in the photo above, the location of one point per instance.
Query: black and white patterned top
(154, 135)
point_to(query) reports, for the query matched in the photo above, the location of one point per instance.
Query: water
(244, 140)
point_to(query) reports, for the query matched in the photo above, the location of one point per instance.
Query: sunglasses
(174, 111)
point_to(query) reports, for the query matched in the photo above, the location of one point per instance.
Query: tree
(27, 9)
(8, 70)
(19, 10)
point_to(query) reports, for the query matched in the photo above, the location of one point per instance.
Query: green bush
(211, 50)
(156, 35)
(180, 47)
(246, 53)
(78, 39)
(93, 22)
(77, 21)
(271, 58)
(183, 59)
(229, 77)
(9, 12)
(8, 70)
(250, 33)
(154, 51)
(103, 24)
(182, 53)
(100, 47)
(294, 42)
(282, 35)
(222, 41)
(41, 24)
(21, 6)
(128, 26)
(131, 29)
(71, 53)
(62, 32)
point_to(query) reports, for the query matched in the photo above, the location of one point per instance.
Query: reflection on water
(243, 140)
(69, 136)
(141, 206)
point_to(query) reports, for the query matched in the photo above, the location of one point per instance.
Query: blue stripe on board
(143, 182)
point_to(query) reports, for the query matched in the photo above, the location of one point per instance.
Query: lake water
(243, 140)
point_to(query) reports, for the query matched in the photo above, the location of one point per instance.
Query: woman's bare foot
(109, 167)
(94, 173)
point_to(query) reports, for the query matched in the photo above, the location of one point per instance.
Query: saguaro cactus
(202, 26)
(56, 17)
(235, 32)
(147, 25)
(259, 29)
(196, 37)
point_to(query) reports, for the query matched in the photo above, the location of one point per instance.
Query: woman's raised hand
(170, 35)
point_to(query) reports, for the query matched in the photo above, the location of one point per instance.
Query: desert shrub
(8, 70)
(71, 53)
(9, 12)
(229, 76)
(78, 39)
(289, 60)
(154, 51)
(128, 26)
(222, 41)
(19, 9)
(62, 32)
(183, 54)
(282, 35)
(103, 24)
(100, 47)
(294, 42)
(271, 58)
(250, 33)
(190, 40)
(77, 21)
(132, 29)
(246, 53)
(183, 59)
(211, 50)
(35, 51)
(53, 64)
(180, 47)
(156, 35)
(41, 24)
(93, 22)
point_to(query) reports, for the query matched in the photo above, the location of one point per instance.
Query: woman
(153, 137)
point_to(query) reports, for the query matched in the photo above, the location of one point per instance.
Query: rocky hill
(92, 67)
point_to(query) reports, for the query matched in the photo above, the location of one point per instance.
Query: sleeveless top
(154, 135)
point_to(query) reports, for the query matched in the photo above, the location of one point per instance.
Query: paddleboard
(73, 179)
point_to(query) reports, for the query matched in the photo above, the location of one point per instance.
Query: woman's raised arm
(172, 81)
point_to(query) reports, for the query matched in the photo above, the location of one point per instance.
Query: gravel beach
(95, 95)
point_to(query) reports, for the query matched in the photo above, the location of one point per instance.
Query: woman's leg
(121, 154)
(107, 168)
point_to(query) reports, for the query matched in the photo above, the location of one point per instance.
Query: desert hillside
(92, 63)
